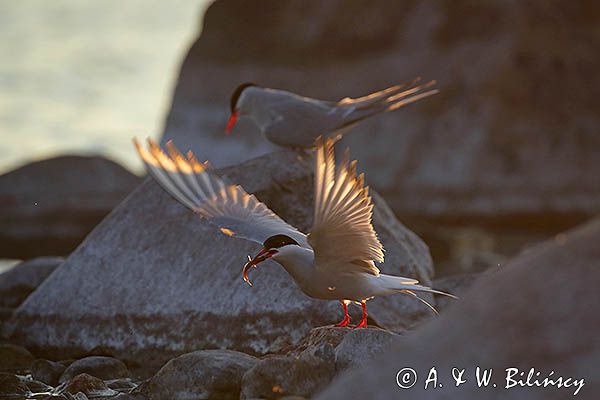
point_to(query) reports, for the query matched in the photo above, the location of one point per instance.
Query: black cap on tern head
(237, 93)
(277, 241)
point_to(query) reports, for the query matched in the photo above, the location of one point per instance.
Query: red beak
(231, 122)
(253, 262)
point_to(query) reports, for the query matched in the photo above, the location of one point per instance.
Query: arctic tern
(335, 261)
(294, 121)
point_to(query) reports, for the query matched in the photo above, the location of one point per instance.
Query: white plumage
(336, 261)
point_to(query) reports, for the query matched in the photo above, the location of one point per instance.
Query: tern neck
(297, 261)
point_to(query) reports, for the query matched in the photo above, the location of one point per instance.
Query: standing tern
(336, 261)
(291, 120)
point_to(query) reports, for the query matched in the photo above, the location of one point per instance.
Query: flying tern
(291, 120)
(335, 261)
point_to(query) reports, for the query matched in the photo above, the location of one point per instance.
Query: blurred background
(84, 77)
(507, 154)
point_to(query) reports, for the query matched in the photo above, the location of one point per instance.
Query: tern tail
(397, 284)
(386, 100)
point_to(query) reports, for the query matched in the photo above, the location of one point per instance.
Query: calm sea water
(85, 76)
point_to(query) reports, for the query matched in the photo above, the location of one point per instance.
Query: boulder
(22, 279)
(499, 143)
(11, 386)
(308, 366)
(455, 284)
(89, 385)
(14, 358)
(540, 312)
(105, 368)
(360, 346)
(49, 206)
(153, 280)
(275, 377)
(20, 388)
(341, 348)
(47, 371)
(204, 374)
(122, 384)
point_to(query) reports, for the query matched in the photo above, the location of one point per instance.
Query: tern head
(271, 246)
(234, 104)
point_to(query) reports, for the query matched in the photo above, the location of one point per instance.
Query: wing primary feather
(229, 207)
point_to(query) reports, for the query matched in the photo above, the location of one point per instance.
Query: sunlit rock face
(49, 206)
(541, 311)
(514, 131)
(154, 280)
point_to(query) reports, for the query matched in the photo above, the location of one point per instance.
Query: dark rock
(275, 377)
(105, 368)
(18, 387)
(320, 343)
(88, 385)
(455, 284)
(361, 345)
(130, 396)
(341, 347)
(47, 371)
(204, 374)
(49, 206)
(177, 284)
(14, 358)
(498, 145)
(5, 315)
(11, 386)
(307, 367)
(121, 385)
(541, 310)
(37, 387)
(18, 282)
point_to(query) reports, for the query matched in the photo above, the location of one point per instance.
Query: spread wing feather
(229, 207)
(342, 231)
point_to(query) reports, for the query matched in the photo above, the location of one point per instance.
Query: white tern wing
(342, 232)
(229, 207)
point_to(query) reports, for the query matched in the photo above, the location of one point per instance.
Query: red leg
(346, 319)
(363, 321)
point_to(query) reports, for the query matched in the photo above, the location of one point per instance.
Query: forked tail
(398, 284)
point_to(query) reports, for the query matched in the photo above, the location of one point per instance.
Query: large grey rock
(205, 374)
(47, 207)
(540, 311)
(23, 278)
(513, 133)
(102, 367)
(153, 280)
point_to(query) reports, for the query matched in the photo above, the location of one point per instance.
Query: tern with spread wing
(335, 261)
(291, 120)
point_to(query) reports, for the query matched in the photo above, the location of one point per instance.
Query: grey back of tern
(290, 120)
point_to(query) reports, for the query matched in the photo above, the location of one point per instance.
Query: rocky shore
(502, 319)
